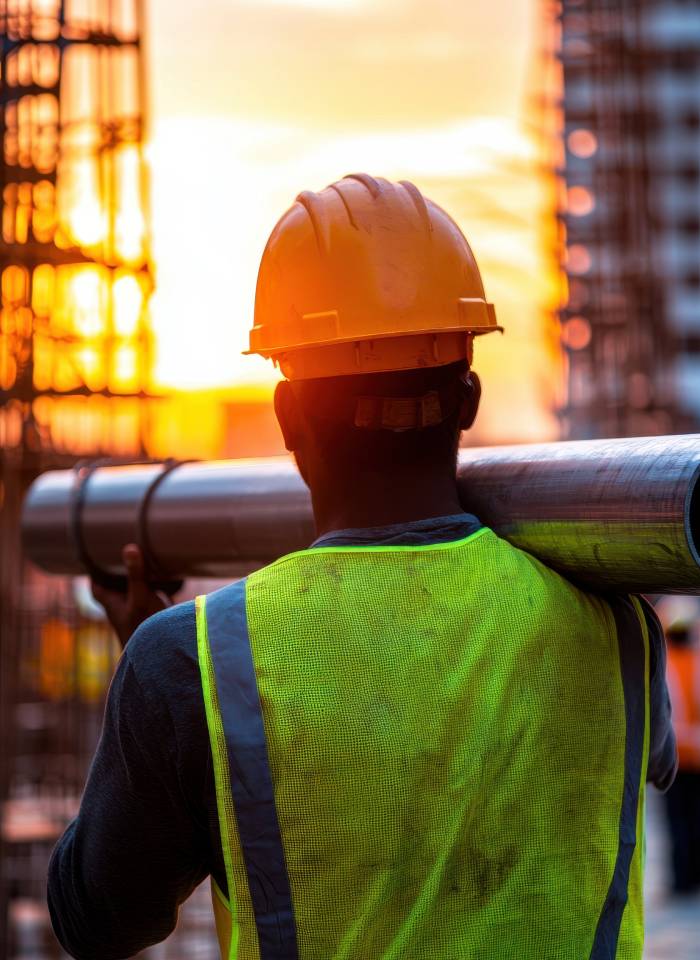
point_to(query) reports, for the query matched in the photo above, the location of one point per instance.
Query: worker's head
(369, 299)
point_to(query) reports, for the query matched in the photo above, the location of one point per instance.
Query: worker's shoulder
(161, 687)
(166, 641)
(518, 569)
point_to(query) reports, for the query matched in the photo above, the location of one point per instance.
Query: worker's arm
(127, 610)
(140, 842)
(663, 756)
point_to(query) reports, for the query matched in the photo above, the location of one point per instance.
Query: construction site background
(614, 103)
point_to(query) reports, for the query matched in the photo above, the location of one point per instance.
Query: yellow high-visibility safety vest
(432, 752)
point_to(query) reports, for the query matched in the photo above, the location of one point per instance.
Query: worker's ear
(287, 413)
(470, 400)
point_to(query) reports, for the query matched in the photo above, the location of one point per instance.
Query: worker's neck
(377, 499)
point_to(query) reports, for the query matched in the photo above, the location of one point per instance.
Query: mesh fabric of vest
(446, 734)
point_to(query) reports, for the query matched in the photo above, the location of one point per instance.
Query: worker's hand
(125, 611)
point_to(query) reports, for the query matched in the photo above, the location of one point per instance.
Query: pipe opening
(692, 516)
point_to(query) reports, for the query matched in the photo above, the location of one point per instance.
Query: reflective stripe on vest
(449, 759)
(244, 784)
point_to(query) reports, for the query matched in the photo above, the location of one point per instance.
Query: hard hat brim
(378, 355)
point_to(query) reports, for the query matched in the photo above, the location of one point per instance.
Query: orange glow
(14, 284)
(74, 317)
(56, 653)
(252, 102)
(579, 259)
(129, 222)
(43, 290)
(576, 333)
(430, 93)
(44, 217)
(75, 660)
(81, 299)
(580, 201)
(81, 211)
(125, 370)
(128, 304)
(90, 367)
(582, 143)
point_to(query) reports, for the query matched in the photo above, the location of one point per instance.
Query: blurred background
(148, 147)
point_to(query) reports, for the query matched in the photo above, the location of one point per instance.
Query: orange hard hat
(367, 276)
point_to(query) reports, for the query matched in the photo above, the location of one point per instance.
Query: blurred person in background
(681, 616)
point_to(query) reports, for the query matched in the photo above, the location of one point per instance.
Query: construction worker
(411, 740)
(681, 616)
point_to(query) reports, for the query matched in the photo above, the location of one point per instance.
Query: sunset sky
(252, 102)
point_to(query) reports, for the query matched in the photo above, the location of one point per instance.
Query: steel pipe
(614, 514)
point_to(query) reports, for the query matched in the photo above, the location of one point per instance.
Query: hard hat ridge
(367, 276)
(373, 185)
(319, 211)
(419, 201)
(311, 202)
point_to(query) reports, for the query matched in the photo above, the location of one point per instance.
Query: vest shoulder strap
(242, 769)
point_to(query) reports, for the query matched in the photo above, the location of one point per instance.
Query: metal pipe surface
(614, 514)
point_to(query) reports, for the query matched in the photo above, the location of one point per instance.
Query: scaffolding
(629, 206)
(75, 375)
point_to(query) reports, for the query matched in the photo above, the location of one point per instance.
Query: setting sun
(225, 166)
